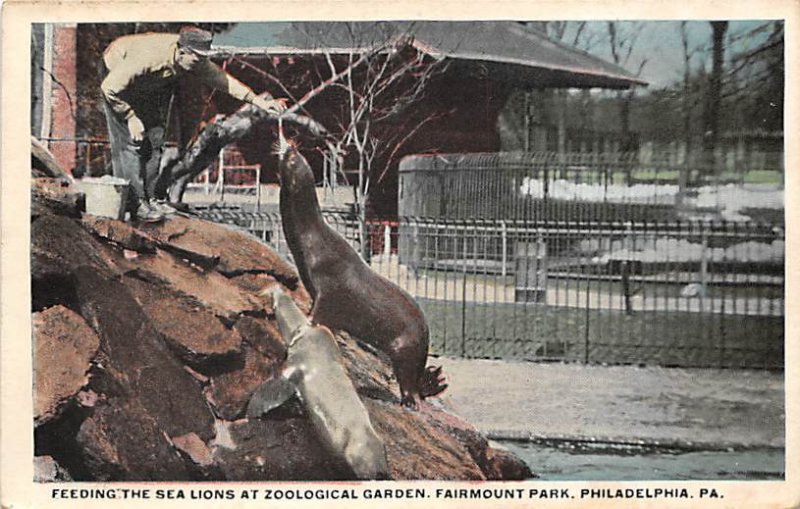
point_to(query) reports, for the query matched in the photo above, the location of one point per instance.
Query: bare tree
(358, 105)
(754, 82)
(370, 131)
(622, 37)
(713, 103)
(688, 105)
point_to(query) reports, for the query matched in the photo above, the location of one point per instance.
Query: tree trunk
(683, 177)
(714, 99)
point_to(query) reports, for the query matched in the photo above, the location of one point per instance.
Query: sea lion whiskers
(282, 144)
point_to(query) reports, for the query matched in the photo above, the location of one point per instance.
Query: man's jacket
(143, 65)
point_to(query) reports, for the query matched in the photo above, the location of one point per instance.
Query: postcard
(340, 254)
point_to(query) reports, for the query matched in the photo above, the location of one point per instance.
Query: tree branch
(217, 135)
(407, 137)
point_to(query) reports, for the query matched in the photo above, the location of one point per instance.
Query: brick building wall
(63, 95)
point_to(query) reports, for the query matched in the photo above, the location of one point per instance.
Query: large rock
(121, 441)
(416, 449)
(120, 233)
(263, 335)
(503, 465)
(238, 252)
(369, 369)
(47, 469)
(194, 333)
(230, 392)
(258, 282)
(59, 244)
(284, 449)
(209, 288)
(495, 464)
(184, 340)
(138, 360)
(64, 346)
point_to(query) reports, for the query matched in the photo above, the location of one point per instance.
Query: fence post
(704, 270)
(586, 323)
(722, 341)
(387, 239)
(221, 175)
(626, 269)
(416, 257)
(258, 188)
(504, 242)
(464, 299)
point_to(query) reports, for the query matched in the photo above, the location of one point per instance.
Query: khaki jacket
(142, 65)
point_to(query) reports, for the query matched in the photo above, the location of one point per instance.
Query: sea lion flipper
(432, 382)
(270, 395)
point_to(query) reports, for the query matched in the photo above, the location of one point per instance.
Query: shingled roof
(507, 48)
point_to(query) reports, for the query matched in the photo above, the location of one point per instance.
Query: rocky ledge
(150, 339)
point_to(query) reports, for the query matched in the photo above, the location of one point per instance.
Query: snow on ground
(566, 190)
(729, 199)
(668, 249)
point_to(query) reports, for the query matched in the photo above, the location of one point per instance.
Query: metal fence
(577, 187)
(704, 294)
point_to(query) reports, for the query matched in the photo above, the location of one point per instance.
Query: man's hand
(136, 128)
(271, 106)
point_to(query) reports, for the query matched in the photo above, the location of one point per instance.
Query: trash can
(106, 196)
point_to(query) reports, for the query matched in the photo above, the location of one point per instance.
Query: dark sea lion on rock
(347, 294)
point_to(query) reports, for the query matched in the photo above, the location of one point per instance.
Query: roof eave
(609, 80)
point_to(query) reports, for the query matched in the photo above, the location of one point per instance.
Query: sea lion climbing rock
(314, 371)
(347, 294)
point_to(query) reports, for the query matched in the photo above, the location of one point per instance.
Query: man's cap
(196, 40)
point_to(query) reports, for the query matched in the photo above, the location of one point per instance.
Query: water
(569, 461)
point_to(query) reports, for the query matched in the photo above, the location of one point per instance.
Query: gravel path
(702, 408)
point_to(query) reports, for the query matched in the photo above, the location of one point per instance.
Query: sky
(660, 44)
(657, 42)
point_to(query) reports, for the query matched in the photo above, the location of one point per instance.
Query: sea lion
(347, 294)
(315, 372)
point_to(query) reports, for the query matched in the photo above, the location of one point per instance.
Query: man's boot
(147, 213)
(163, 207)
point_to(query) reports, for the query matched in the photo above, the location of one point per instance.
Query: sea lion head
(283, 145)
(291, 163)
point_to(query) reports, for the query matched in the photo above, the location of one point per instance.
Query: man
(138, 90)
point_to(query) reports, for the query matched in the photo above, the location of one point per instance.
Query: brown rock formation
(248, 255)
(197, 336)
(150, 342)
(229, 392)
(64, 346)
(46, 469)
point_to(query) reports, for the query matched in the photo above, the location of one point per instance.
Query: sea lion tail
(432, 382)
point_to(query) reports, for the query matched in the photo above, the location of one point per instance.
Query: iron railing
(702, 294)
(579, 187)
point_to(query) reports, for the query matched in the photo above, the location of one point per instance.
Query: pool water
(571, 461)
